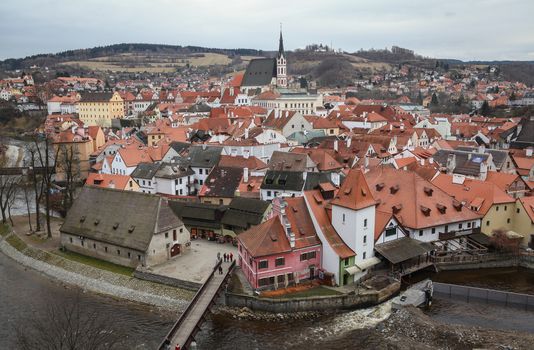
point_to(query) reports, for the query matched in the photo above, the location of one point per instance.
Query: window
(118, 252)
(517, 210)
(201, 182)
(307, 256)
(391, 232)
(468, 225)
(364, 222)
(94, 245)
(166, 234)
(346, 261)
(459, 226)
(365, 239)
(433, 230)
(129, 255)
(343, 217)
(268, 193)
(280, 262)
(508, 220)
(487, 223)
(200, 171)
(70, 239)
(420, 233)
(364, 255)
(497, 208)
(505, 207)
(106, 249)
(263, 264)
(138, 257)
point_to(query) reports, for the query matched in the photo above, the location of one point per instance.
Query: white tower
(281, 64)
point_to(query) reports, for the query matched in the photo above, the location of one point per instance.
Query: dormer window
(131, 228)
(426, 211)
(394, 189)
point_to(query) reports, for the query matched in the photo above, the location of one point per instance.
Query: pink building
(283, 250)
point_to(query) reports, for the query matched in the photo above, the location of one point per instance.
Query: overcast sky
(463, 29)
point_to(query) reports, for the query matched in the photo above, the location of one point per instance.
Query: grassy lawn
(16, 243)
(100, 264)
(4, 230)
(312, 292)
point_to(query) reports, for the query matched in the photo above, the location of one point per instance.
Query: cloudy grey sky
(464, 29)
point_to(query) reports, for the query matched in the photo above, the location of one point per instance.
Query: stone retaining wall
(522, 261)
(169, 281)
(346, 301)
(96, 280)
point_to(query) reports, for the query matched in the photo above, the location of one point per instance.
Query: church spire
(281, 44)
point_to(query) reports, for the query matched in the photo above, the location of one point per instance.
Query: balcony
(458, 233)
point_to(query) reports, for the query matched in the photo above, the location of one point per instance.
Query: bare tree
(36, 180)
(66, 326)
(8, 188)
(68, 163)
(43, 156)
(27, 200)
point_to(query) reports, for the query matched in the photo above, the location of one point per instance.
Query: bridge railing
(167, 341)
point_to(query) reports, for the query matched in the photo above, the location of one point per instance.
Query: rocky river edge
(98, 281)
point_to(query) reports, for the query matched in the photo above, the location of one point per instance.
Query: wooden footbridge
(184, 330)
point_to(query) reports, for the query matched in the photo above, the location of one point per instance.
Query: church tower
(281, 64)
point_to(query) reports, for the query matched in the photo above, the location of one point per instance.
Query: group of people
(227, 257)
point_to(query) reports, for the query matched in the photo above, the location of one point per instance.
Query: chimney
(336, 146)
(528, 152)
(349, 141)
(246, 154)
(481, 148)
(431, 160)
(246, 133)
(245, 175)
(366, 162)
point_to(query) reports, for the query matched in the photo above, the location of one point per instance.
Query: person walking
(231, 257)
(218, 256)
(220, 270)
(225, 257)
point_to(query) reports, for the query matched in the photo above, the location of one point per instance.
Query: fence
(508, 299)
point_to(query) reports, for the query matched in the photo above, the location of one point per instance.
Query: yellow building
(99, 108)
(524, 220)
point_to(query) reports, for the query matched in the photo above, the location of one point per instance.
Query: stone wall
(526, 261)
(169, 281)
(346, 301)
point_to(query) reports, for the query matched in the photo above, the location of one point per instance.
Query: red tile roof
(354, 193)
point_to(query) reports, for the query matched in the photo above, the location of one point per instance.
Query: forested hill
(116, 49)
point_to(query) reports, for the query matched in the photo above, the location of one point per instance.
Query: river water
(24, 293)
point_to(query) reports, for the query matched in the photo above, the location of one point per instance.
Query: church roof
(260, 72)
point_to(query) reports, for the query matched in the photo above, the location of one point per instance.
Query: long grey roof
(498, 156)
(145, 170)
(204, 158)
(283, 180)
(403, 249)
(259, 72)
(96, 96)
(173, 171)
(124, 218)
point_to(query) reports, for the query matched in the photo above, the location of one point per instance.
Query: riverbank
(93, 279)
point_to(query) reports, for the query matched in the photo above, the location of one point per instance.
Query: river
(24, 293)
